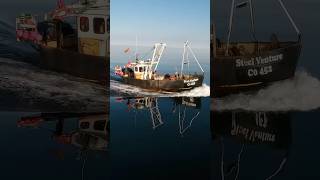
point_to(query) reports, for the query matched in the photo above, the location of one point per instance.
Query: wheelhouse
(93, 32)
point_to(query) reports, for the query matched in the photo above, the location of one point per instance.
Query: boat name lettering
(191, 84)
(252, 134)
(191, 80)
(258, 60)
(190, 104)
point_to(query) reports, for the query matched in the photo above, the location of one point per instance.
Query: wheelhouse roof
(100, 7)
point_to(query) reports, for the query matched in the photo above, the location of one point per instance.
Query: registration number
(259, 71)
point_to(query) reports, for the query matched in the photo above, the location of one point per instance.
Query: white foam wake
(301, 93)
(119, 89)
(35, 85)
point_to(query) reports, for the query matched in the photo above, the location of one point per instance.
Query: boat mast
(188, 62)
(213, 30)
(157, 54)
(290, 19)
(233, 6)
(194, 56)
(183, 59)
(186, 47)
(252, 20)
(230, 26)
(136, 51)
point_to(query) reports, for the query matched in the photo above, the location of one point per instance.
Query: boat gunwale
(290, 44)
(197, 76)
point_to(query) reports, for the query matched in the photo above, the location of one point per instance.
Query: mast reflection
(185, 109)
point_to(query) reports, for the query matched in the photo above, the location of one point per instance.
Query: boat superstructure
(72, 38)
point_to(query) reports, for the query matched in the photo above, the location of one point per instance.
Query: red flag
(126, 50)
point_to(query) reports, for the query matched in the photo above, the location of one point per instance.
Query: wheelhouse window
(140, 69)
(99, 25)
(99, 125)
(84, 24)
(84, 125)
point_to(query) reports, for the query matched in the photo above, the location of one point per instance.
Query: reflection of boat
(72, 39)
(253, 127)
(243, 66)
(150, 103)
(92, 132)
(248, 129)
(186, 108)
(143, 73)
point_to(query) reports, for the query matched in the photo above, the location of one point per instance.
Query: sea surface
(160, 138)
(52, 146)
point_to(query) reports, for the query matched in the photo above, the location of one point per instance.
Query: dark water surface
(54, 145)
(150, 141)
(161, 144)
(265, 145)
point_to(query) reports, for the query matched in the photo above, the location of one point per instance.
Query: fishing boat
(72, 39)
(247, 66)
(143, 73)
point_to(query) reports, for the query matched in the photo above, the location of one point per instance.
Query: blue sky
(169, 21)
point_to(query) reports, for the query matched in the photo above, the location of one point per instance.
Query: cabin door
(100, 30)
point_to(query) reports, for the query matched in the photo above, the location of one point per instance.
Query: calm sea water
(54, 145)
(265, 145)
(160, 138)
